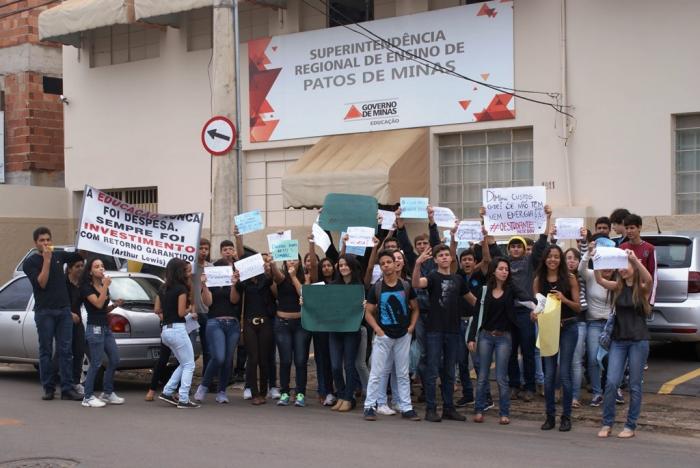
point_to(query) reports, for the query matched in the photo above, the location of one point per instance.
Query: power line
(436, 66)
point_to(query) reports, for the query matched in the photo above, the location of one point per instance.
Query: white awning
(165, 11)
(65, 22)
(386, 165)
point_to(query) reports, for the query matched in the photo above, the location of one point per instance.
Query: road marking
(670, 386)
(10, 422)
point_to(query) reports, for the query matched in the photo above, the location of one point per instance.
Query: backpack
(406, 287)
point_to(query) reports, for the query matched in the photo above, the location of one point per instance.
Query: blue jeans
(621, 352)
(101, 341)
(177, 339)
(579, 354)
(568, 336)
(441, 359)
(593, 331)
(463, 361)
(390, 356)
(420, 336)
(343, 347)
(292, 341)
(486, 347)
(523, 338)
(55, 324)
(322, 358)
(222, 338)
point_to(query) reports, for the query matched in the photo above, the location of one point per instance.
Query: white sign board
(388, 219)
(444, 217)
(344, 82)
(469, 231)
(609, 258)
(569, 228)
(359, 236)
(250, 267)
(321, 238)
(218, 135)
(218, 276)
(111, 227)
(278, 236)
(515, 210)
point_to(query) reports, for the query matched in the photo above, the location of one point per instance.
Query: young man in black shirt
(445, 290)
(52, 313)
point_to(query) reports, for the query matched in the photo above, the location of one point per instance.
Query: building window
(144, 198)
(199, 29)
(688, 164)
(472, 161)
(124, 43)
(342, 12)
(52, 85)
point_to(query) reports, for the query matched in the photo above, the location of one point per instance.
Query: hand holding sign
(388, 219)
(414, 207)
(359, 236)
(287, 249)
(248, 222)
(609, 258)
(568, 228)
(250, 267)
(278, 236)
(469, 231)
(515, 210)
(444, 217)
(218, 276)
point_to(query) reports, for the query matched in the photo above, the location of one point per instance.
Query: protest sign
(191, 324)
(469, 231)
(444, 217)
(350, 249)
(360, 236)
(414, 207)
(250, 267)
(341, 210)
(287, 249)
(320, 237)
(549, 327)
(569, 228)
(609, 258)
(332, 307)
(388, 219)
(248, 222)
(218, 276)
(515, 210)
(447, 236)
(278, 236)
(111, 227)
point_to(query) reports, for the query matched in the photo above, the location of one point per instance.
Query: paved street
(142, 433)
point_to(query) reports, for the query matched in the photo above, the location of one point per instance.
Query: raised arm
(417, 280)
(313, 259)
(235, 296)
(371, 262)
(433, 232)
(404, 241)
(99, 301)
(275, 273)
(645, 278)
(238, 239)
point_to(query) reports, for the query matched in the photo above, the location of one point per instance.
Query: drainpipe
(564, 102)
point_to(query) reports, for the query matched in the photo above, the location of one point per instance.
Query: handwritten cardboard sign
(287, 249)
(250, 267)
(350, 249)
(388, 219)
(248, 222)
(569, 228)
(278, 236)
(218, 276)
(469, 231)
(320, 237)
(414, 207)
(360, 236)
(515, 210)
(609, 258)
(444, 217)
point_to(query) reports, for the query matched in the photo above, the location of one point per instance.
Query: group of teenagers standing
(448, 307)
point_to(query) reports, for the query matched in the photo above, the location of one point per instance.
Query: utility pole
(225, 172)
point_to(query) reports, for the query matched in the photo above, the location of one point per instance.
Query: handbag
(606, 335)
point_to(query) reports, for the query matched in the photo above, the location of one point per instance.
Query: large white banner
(334, 81)
(110, 226)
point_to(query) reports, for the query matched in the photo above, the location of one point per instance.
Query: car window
(132, 289)
(672, 252)
(16, 295)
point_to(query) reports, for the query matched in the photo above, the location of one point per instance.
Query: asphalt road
(155, 434)
(668, 362)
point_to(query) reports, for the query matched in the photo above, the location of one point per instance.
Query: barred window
(688, 164)
(144, 198)
(123, 43)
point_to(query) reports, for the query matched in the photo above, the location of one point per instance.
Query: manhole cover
(40, 463)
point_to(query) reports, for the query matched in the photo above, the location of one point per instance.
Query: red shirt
(646, 254)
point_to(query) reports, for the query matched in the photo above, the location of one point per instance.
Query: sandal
(150, 395)
(575, 404)
(604, 432)
(478, 418)
(504, 421)
(626, 433)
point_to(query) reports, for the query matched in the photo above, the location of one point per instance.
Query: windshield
(672, 252)
(132, 289)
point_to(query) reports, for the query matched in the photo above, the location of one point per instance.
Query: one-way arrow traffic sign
(218, 135)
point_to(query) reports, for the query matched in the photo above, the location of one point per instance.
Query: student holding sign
(293, 341)
(630, 340)
(553, 277)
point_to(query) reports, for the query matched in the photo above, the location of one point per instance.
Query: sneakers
(384, 410)
(79, 388)
(93, 402)
(48, 395)
(597, 401)
(432, 416)
(168, 399)
(300, 400)
(452, 414)
(369, 414)
(284, 400)
(112, 398)
(410, 415)
(489, 405)
(464, 401)
(274, 393)
(247, 394)
(200, 393)
(71, 395)
(330, 400)
(221, 398)
(619, 397)
(187, 404)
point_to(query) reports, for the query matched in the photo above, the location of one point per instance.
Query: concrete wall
(630, 67)
(23, 209)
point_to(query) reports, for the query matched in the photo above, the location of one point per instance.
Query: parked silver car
(135, 326)
(110, 263)
(676, 313)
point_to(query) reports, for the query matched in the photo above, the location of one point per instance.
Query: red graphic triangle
(353, 113)
(464, 104)
(274, 48)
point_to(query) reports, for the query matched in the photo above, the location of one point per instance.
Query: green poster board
(332, 307)
(341, 210)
